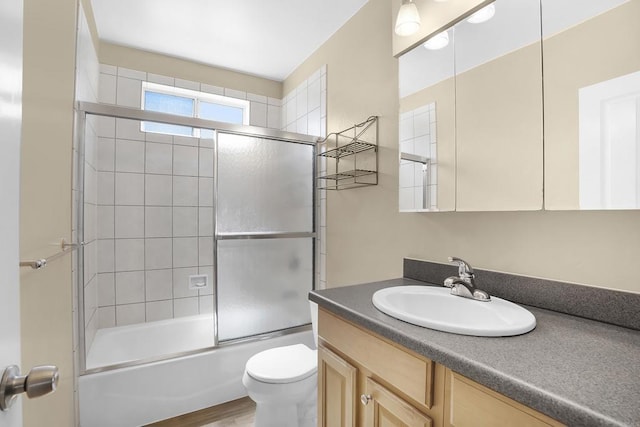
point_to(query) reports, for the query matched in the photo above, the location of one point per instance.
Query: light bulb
(483, 15)
(408, 20)
(438, 41)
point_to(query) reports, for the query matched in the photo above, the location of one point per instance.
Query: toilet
(283, 382)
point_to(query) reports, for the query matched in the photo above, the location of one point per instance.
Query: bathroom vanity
(375, 370)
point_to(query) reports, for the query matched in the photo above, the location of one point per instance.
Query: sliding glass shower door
(264, 234)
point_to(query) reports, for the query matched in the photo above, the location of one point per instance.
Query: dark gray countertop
(578, 371)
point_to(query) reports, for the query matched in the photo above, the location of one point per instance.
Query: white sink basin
(435, 308)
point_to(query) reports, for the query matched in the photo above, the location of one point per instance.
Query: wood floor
(237, 413)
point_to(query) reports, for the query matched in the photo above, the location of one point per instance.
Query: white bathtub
(155, 391)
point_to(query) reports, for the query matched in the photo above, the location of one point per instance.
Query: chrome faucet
(464, 285)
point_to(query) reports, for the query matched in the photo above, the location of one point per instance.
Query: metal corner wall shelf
(349, 158)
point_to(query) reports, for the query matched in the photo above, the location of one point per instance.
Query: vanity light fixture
(438, 41)
(483, 15)
(408, 20)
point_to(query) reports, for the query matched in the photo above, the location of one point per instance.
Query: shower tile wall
(87, 72)
(155, 214)
(143, 268)
(304, 110)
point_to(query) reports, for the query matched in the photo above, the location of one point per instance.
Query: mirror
(499, 109)
(592, 104)
(427, 129)
(483, 92)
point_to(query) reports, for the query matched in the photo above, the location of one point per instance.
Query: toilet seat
(283, 364)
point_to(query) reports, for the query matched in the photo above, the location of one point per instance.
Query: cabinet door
(385, 409)
(336, 390)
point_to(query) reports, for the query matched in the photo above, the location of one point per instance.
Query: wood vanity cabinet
(365, 380)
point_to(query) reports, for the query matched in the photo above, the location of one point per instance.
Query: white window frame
(197, 97)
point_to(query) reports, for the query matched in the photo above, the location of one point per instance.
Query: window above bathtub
(190, 103)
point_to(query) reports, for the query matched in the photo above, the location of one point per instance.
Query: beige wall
(174, 67)
(367, 237)
(443, 94)
(45, 206)
(499, 133)
(597, 50)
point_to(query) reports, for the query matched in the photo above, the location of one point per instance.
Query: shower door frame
(114, 111)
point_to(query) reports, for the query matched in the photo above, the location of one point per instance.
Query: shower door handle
(40, 381)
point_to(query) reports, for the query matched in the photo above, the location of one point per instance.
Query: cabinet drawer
(409, 373)
(469, 404)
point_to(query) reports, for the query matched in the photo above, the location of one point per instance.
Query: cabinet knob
(365, 399)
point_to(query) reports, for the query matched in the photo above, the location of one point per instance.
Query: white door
(10, 133)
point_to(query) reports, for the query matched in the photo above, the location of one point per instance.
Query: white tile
(274, 101)
(422, 110)
(185, 252)
(292, 127)
(205, 158)
(421, 146)
(323, 103)
(90, 261)
(129, 156)
(158, 158)
(418, 196)
(160, 79)
(187, 84)
(158, 190)
(106, 126)
(433, 152)
(185, 221)
(216, 90)
(291, 111)
(105, 256)
(159, 284)
(301, 101)
(105, 188)
(158, 222)
(106, 154)
(106, 289)
(90, 300)
(185, 307)
(129, 92)
(129, 287)
(235, 93)
(90, 219)
(185, 160)
(106, 222)
(433, 132)
(206, 304)
(132, 74)
(256, 98)
(185, 191)
(129, 254)
(108, 69)
(421, 124)
(185, 140)
(258, 115)
(181, 282)
(283, 117)
(433, 189)
(205, 192)
(313, 122)
(106, 317)
(107, 89)
(434, 175)
(158, 137)
(418, 174)
(274, 117)
(159, 310)
(205, 222)
(301, 125)
(206, 138)
(406, 129)
(205, 251)
(130, 314)
(129, 189)
(406, 178)
(407, 146)
(129, 129)
(406, 199)
(314, 92)
(129, 222)
(158, 253)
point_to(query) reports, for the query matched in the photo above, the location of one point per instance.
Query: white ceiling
(267, 38)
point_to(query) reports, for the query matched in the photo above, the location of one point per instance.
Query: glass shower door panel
(264, 185)
(263, 285)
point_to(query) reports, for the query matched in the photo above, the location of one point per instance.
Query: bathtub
(142, 394)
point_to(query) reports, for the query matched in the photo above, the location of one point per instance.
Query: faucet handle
(464, 268)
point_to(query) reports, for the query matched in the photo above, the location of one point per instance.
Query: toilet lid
(283, 364)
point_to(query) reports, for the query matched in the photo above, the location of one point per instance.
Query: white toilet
(283, 382)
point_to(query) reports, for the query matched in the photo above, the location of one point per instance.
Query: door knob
(39, 381)
(365, 399)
